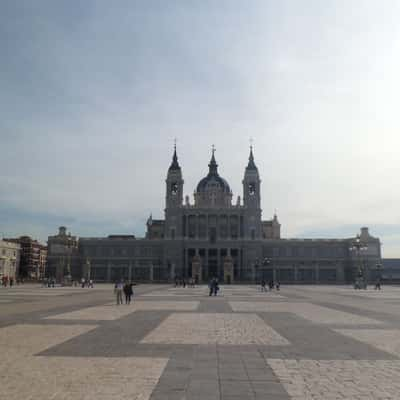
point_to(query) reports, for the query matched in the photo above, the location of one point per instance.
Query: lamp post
(357, 246)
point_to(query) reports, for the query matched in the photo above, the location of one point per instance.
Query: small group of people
(123, 288)
(181, 282)
(87, 283)
(213, 286)
(271, 285)
(49, 282)
(7, 281)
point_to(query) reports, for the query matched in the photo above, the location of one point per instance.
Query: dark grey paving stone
(387, 318)
(236, 388)
(316, 341)
(241, 396)
(268, 388)
(111, 338)
(203, 387)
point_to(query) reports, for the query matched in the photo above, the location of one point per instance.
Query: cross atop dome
(213, 166)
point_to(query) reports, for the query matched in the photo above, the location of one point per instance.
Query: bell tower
(252, 199)
(173, 198)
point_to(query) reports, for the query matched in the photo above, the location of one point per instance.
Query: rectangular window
(212, 234)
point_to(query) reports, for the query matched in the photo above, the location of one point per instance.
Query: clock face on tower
(174, 188)
(252, 189)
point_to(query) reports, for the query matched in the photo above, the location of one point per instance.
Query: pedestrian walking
(118, 288)
(271, 284)
(216, 287)
(128, 291)
(263, 284)
(211, 286)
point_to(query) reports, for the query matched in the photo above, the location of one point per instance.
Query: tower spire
(251, 165)
(175, 164)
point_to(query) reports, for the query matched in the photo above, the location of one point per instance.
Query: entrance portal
(228, 269)
(212, 269)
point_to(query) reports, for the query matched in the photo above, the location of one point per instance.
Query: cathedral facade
(215, 236)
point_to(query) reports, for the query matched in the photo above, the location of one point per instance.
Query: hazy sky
(92, 94)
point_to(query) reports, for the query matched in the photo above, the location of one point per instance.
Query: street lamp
(357, 246)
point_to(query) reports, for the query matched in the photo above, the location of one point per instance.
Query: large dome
(213, 183)
(213, 190)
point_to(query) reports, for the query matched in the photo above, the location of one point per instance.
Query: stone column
(340, 273)
(130, 271)
(151, 272)
(196, 268)
(185, 264)
(206, 262)
(218, 262)
(228, 269)
(136, 265)
(171, 267)
(109, 271)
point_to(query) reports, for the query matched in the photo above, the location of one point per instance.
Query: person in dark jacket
(128, 291)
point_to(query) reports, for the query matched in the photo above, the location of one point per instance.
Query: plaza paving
(303, 342)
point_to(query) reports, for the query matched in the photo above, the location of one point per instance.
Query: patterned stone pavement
(304, 342)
